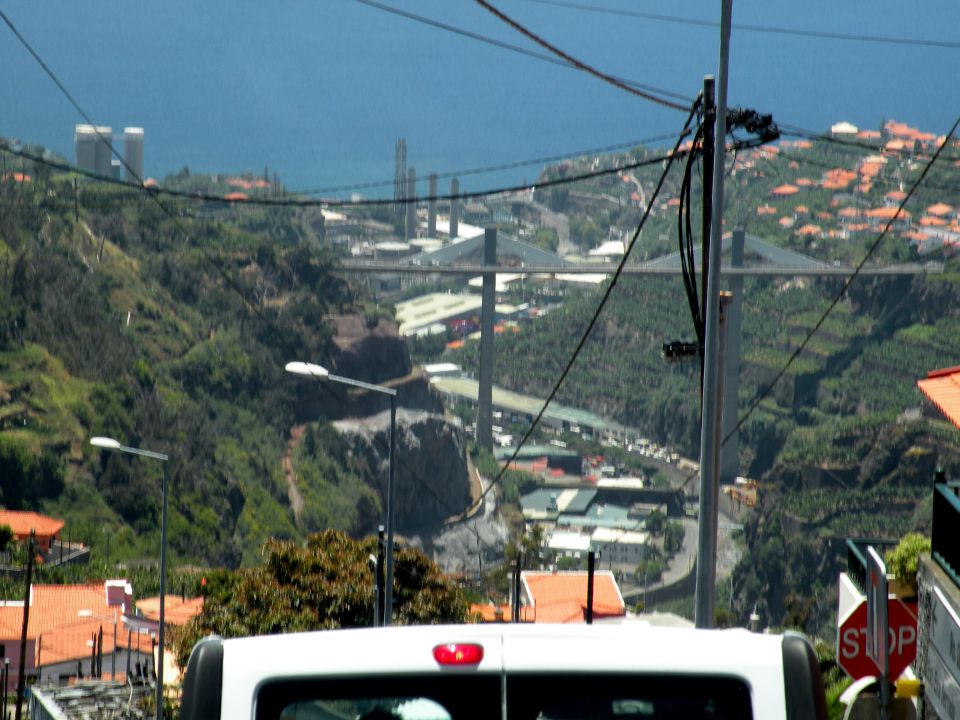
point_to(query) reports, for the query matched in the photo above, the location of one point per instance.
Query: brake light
(458, 654)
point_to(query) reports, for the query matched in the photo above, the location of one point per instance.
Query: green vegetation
(902, 560)
(168, 332)
(326, 583)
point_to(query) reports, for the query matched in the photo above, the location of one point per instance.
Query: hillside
(831, 444)
(168, 328)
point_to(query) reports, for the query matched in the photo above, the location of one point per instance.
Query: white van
(505, 671)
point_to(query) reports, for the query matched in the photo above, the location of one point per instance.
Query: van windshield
(540, 696)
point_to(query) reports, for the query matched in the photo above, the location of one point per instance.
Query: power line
(603, 301)
(301, 202)
(141, 187)
(794, 131)
(857, 37)
(493, 168)
(846, 285)
(569, 59)
(513, 48)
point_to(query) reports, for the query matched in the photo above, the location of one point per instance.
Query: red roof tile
(562, 596)
(784, 190)
(943, 389)
(886, 213)
(177, 610)
(22, 522)
(63, 620)
(940, 209)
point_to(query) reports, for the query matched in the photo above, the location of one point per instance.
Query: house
(67, 625)
(561, 597)
(46, 529)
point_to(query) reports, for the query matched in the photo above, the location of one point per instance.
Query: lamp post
(111, 444)
(321, 373)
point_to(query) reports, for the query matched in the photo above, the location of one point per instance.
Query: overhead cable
(492, 168)
(603, 301)
(858, 37)
(566, 57)
(154, 190)
(513, 48)
(227, 278)
(843, 290)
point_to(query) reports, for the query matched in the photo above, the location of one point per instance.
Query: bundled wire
(685, 242)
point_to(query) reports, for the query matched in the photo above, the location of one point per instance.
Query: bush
(902, 560)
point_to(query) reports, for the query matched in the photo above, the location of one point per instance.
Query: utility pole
(709, 440)
(706, 215)
(21, 680)
(487, 318)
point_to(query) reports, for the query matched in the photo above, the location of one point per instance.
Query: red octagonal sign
(852, 640)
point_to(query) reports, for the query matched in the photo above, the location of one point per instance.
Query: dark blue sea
(319, 90)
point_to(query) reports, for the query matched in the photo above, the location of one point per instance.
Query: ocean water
(319, 90)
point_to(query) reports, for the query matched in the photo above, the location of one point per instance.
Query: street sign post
(901, 641)
(877, 593)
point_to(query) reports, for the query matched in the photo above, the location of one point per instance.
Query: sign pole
(878, 626)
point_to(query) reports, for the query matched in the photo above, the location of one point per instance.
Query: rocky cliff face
(431, 465)
(374, 353)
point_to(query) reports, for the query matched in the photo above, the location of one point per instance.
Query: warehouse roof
(529, 405)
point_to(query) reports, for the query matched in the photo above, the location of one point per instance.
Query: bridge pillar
(730, 451)
(454, 208)
(432, 208)
(487, 314)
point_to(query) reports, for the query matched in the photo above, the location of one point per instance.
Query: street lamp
(111, 444)
(321, 373)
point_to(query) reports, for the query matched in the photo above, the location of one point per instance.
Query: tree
(326, 584)
(547, 238)
(6, 536)
(655, 523)
(673, 535)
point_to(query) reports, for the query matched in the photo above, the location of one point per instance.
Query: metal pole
(113, 658)
(163, 592)
(487, 319)
(378, 610)
(391, 482)
(591, 564)
(21, 684)
(706, 554)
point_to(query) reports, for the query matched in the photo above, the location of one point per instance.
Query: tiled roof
(177, 610)
(886, 213)
(21, 522)
(943, 389)
(784, 190)
(562, 596)
(63, 621)
(940, 209)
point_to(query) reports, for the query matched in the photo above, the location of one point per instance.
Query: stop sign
(852, 640)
